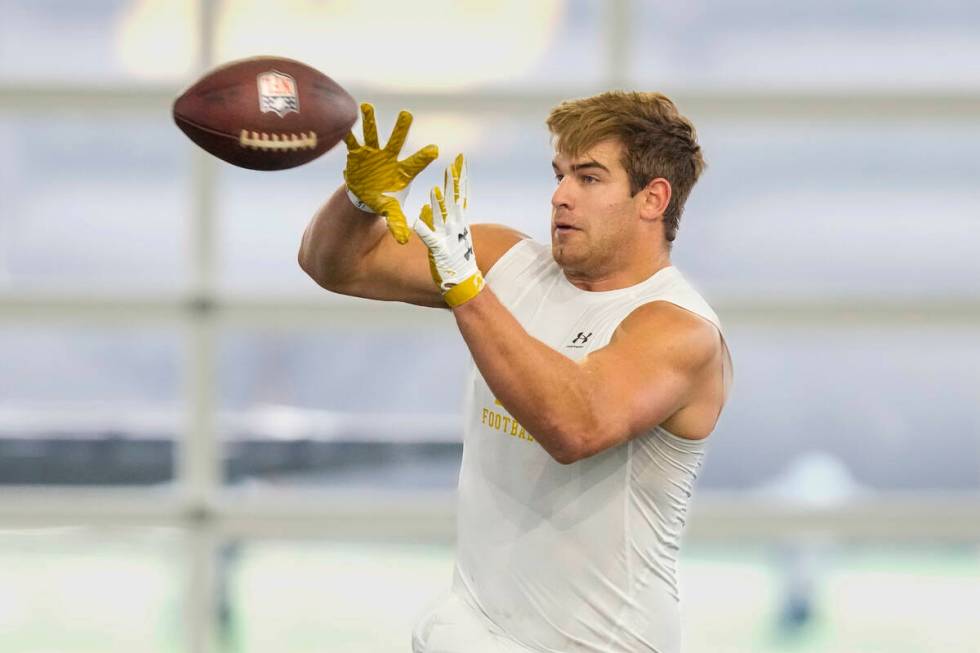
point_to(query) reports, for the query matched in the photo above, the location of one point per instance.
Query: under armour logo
(465, 236)
(582, 338)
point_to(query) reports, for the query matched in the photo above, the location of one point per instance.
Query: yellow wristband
(464, 291)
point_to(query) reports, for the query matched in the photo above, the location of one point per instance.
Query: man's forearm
(336, 240)
(547, 392)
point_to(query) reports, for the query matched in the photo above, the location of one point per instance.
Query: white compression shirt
(580, 557)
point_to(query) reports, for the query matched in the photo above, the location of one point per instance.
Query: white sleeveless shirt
(579, 557)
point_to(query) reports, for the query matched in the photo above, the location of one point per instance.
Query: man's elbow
(320, 273)
(577, 444)
(570, 446)
(308, 265)
(564, 455)
(305, 264)
(305, 258)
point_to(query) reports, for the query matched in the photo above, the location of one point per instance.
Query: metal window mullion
(201, 582)
(618, 44)
(828, 107)
(302, 313)
(900, 515)
(198, 473)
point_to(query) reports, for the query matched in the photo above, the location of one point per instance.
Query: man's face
(593, 214)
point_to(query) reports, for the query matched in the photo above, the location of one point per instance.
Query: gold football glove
(443, 228)
(377, 181)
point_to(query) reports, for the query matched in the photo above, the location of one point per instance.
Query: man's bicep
(649, 369)
(492, 241)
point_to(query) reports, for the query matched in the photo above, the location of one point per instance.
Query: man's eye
(558, 178)
(589, 179)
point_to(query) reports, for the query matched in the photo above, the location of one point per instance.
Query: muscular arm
(649, 371)
(348, 251)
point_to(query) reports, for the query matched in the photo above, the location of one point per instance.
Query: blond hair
(657, 141)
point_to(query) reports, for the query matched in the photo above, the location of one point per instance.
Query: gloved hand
(452, 260)
(377, 181)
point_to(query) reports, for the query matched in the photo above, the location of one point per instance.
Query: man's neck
(622, 278)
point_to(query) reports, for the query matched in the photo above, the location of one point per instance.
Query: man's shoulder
(665, 326)
(492, 241)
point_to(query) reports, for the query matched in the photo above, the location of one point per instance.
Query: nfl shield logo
(277, 93)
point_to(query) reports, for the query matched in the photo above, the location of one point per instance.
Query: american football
(265, 113)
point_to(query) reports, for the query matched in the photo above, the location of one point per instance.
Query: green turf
(78, 591)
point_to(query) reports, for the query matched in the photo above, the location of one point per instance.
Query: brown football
(265, 113)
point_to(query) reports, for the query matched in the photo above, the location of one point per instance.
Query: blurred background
(201, 450)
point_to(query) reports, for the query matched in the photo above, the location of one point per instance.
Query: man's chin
(564, 255)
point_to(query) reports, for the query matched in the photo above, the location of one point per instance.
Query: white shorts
(453, 626)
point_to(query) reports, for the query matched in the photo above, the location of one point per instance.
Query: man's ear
(654, 199)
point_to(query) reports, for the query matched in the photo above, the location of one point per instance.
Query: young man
(599, 372)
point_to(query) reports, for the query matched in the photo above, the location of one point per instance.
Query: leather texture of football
(265, 113)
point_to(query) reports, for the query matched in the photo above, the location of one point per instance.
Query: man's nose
(562, 198)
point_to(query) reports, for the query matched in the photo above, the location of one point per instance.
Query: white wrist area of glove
(400, 195)
(356, 201)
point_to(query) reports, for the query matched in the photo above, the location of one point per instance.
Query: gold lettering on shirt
(504, 423)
